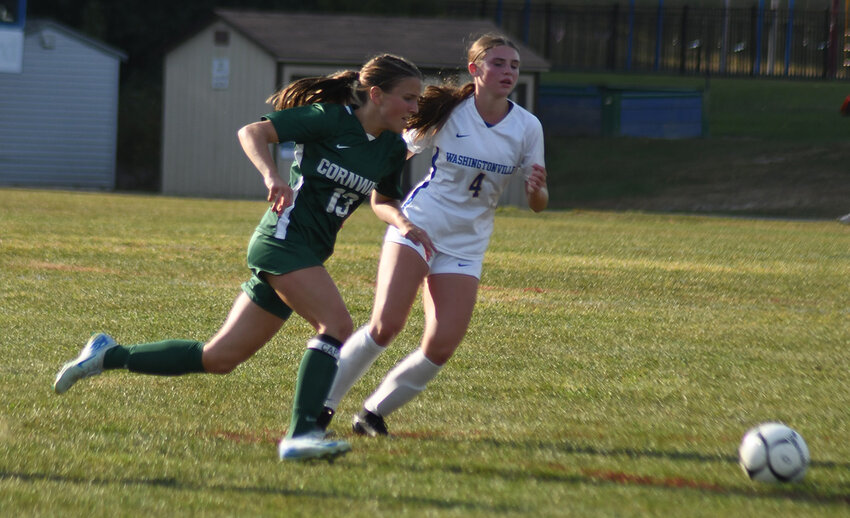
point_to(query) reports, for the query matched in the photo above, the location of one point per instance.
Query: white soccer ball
(773, 452)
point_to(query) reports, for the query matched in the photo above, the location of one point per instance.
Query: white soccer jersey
(471, 166)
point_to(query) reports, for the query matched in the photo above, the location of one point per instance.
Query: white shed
(59, 114)
(218, 78)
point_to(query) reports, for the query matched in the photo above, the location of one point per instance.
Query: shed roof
(34, 25)
(352, 39)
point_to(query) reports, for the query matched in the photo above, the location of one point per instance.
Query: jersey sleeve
(304, 123)
(417, 142)
(533, 143)
(390, 186)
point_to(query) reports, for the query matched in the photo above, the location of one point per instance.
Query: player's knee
(220, 367)
(219, 364)
(439, 357)
(384, 331)
(439, 353)
(340, 329)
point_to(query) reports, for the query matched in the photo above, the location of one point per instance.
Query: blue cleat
(88, 363)
(312, 446)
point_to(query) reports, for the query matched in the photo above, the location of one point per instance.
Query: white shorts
(440, 262)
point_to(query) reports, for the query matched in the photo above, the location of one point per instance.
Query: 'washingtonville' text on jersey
(475, 163)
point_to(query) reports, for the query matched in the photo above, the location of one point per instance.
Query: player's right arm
(255, 139)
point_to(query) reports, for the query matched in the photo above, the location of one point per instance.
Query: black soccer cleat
(324, 419)
(367, 423)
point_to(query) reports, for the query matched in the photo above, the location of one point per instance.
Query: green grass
(776, 148)
(613, 364)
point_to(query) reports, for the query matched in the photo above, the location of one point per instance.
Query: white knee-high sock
(356, 356)
(403, 383)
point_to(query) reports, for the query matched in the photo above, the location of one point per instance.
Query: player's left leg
(449, 300)
(311, 293)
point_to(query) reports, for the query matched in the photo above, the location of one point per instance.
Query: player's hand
(535, 179)
(280, 194)
(419, 237)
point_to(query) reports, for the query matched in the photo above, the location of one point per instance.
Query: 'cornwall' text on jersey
(345, 177)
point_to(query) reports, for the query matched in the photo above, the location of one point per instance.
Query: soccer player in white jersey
(480, 139)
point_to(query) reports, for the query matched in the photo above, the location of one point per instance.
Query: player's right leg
(247, 328)
(400, 273)
(450, 295)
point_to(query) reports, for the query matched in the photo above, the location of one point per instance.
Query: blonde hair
(346, 87)
(437, 103)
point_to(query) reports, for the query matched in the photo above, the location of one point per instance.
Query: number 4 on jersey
(475, 186)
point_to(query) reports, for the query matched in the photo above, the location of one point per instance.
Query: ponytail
(346, 87)
(435, 106)
(336, 88)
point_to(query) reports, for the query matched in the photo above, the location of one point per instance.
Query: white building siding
(201, 155)
(59, 116)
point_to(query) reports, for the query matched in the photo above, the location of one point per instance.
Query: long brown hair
(437, 103)
(347, 86)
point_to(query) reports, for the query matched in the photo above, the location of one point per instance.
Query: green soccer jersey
(336, 167)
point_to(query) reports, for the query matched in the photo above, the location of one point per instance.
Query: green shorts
(269, 255)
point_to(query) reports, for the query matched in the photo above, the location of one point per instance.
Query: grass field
(613, 364)
(776, 148)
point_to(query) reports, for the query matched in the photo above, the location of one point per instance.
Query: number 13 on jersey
(340, 202)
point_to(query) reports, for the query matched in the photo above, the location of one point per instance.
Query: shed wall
(201, 155)
(59, 116)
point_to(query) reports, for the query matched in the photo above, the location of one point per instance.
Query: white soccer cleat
(88, 363)
(311, 446)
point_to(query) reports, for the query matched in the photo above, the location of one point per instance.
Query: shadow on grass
(178, 485)
(634, 453)
(557, 472)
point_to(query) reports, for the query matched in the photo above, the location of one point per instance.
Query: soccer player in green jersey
(348, 147)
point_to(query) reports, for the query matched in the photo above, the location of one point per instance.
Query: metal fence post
(631, 36)
(547, 39)
(832, 45)
(612, 40)
(683, 41)
(659, 35)
(789, 37)
(759, 24)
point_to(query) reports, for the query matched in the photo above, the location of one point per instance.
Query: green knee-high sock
(315, 377)
(166, 358)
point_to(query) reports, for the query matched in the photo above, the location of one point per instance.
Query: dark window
(221, 38)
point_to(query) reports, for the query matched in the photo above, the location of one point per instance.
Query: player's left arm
(535, 188)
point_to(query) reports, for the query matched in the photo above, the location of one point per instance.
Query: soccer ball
(773, 452)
